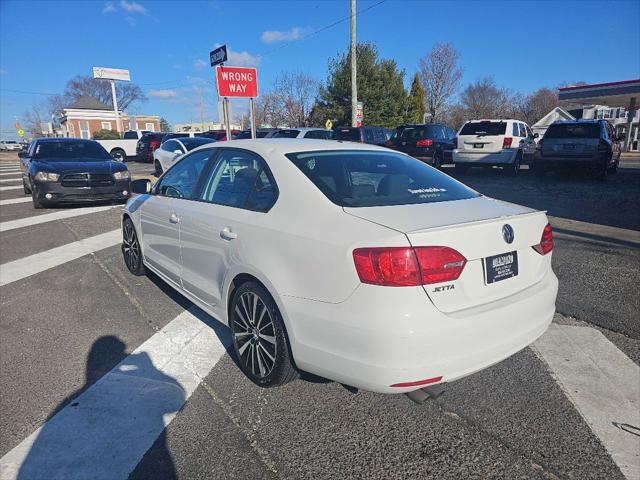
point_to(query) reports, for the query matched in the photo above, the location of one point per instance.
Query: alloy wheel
(254, 335)
(130, 247)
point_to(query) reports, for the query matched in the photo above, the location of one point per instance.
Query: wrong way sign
(237, 82)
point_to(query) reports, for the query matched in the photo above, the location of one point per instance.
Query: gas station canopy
(613, 94)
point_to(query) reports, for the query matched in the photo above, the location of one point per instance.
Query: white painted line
(106, 431)
(602, 383)
(11, 187)
(9, 180)
(50, 217)
(16, 174)
(39, 262)
(11, 201)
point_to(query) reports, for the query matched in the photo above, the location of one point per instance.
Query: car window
(169, 146)
(311, 134)
(368, 135)
(484, 129)
(347, 134)
(360, 178)
(529, 132)
(129, 135)
(65, 150)
(240, 179)
(193, 142)
(523, 130)
(180, 181)
(573, 130)
(286, 134)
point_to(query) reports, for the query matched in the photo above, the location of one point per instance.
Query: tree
(415, 102)
(440, 77)
(165, 126)
(533, 107)
(126, 93)
(483, 99)
(380, 88)
(295, 94)
(105, 134)
(33, 118)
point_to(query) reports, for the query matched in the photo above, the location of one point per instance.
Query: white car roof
(495, 120)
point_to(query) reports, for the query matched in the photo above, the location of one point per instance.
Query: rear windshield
(70, 150)
(410, 134)
(573, 130)
(484, 128)
(286, 134)
(347, 134)
(194, 142)
(357, 178)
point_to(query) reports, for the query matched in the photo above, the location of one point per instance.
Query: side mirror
(142, 186)
(22, 154)
(535, 135)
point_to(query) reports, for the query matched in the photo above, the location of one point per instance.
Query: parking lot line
(39, 262)
(9, 180)
(602, 383)
(106, 431)
(12, 201)
(11, 187)
(50, 217)
(12, 174)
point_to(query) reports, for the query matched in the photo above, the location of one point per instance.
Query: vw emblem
(507, 233)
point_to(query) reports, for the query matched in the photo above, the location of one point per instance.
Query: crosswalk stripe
(602, 383)
(11, 201)
(106, 431)
(10, 180)
(50, 217)
(25, 267)
(16, 174)
(10, 187)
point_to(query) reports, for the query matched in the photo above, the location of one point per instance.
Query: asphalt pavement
(102, 368)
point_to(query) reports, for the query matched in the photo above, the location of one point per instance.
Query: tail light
(390, 143)
(153, 144)
(407, 266)
(425, 142)
(546, 242)
(506, 143)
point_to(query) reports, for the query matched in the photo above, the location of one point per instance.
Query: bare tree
(295, 94)
(483, 99)
(533, 107)
(440, 77)
(34, 117)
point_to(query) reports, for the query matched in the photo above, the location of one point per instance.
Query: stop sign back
(237, 82)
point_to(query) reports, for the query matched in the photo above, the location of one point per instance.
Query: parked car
(170, 135)
(432, 143)
(579, 144)
(306, 132)
(147, 144)
(173, 148)
(219, 135)
(71, 170)
(352, 262)
(365, 134)
(9, 145)
(125, 147)
(487, 143)
(260, 133)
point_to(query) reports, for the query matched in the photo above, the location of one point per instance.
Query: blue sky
(523, 45)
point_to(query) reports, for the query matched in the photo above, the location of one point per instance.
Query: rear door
(571, 140)
(484, 136)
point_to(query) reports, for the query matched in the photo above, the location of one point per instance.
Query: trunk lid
(474, 228)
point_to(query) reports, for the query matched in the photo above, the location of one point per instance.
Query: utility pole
(354, 84)
(115, 107)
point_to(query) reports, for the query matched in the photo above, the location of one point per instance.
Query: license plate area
(500, 267)
(569, 147)
(478, 145)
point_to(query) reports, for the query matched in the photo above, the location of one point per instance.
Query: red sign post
(237, 82)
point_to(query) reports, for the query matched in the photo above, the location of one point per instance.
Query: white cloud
(132, 7)
(196, 80)
(199, 64)
(275, 36)
(109, 7)
(163, 94)
(243, 59)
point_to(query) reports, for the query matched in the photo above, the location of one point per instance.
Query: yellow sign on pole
(21, 132)
(329, 124)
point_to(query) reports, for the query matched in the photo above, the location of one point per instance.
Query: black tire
(131, 250)
(259, 337)
(36, 203)
(26, 189)
(119, 155)
(514, 169)
(613, 169)
(158, 168)
(437, 160)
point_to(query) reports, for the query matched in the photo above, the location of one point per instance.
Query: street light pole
(354, 85)
(115, 106)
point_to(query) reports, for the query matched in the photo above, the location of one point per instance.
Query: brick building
(87, 115)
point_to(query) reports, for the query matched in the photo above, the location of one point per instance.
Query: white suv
(505, 143)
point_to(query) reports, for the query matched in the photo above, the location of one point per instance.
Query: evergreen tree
(415, 102)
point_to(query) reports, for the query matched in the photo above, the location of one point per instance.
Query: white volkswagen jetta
(353, 262)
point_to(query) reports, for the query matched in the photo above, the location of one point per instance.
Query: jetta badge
(507, 233)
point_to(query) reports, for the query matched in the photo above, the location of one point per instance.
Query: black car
(365, 134)
(432, 143)
(147, 144)
(591, 145)
(71, 170)
(260, 133)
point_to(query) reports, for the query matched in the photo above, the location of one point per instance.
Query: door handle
(173, 218)
(227, 234)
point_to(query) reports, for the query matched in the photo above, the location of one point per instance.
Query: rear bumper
(382, 336)
(559, 161)
(60, 194)
(505, 156)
